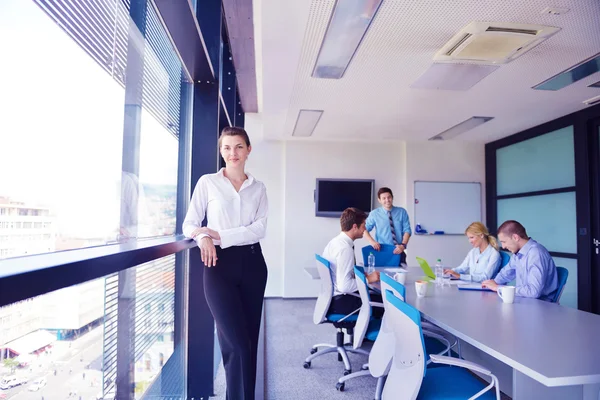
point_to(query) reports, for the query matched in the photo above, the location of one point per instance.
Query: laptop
(428, 271)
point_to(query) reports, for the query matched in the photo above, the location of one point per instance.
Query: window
(549, 160)
(86, 191)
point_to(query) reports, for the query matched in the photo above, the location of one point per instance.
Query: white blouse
(478, 266)
(239, 217)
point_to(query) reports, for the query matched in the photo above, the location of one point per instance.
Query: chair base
(341, 383)
(330, 348)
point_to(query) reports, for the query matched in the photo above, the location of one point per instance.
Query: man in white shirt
(340, 253)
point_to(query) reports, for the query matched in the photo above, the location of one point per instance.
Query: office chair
(505, 258)
(341, 322)
(375, 330)
(385, 257)
(410, 377)
(562, 274)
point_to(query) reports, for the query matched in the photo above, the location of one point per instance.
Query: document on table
(472, 286)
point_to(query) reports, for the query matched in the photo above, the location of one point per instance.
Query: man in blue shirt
(391, 223)
(531, 264)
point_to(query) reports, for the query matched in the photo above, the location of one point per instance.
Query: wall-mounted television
(333, 196)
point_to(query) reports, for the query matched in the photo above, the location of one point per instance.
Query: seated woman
(483, 260)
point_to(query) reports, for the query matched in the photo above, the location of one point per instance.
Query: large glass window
(90, 106)
(90, 125)
(543, 163)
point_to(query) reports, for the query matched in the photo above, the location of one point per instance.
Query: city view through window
(62, 187)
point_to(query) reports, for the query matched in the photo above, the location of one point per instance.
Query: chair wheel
(306, 364)
(347, 372)
(340, 359)
(340, 386)
(313, 350)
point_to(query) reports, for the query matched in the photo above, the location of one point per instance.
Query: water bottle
(371, 263)
(439, 272)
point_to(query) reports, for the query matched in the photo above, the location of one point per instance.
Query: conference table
(538, 350)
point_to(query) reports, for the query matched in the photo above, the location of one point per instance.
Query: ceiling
(374, 100)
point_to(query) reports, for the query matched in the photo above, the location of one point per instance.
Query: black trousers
(402, 258)
(347, 303)
(234, 291)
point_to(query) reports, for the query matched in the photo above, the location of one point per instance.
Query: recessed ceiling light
(347, 27)
(458, 129)
(595, 85)
(593, 101)
(307, 122)
(571, 75)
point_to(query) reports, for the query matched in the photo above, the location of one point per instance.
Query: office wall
(306, 234)
(442, 161)
(266, 163)
(289, 170)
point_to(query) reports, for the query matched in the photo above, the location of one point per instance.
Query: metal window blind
(154, 313)
(101, 28)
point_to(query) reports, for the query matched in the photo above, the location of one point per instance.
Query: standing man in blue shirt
(391, 223)
(531, 264)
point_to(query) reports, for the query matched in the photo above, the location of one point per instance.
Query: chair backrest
(408, 365)
(562, 274)
(385, 257)
(364, 315)
(380, 356)
(504, 259)
(324, 298)
(388, 283)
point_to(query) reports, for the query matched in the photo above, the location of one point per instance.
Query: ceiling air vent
(493, 42)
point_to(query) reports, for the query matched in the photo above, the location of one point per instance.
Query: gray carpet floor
(290, 334)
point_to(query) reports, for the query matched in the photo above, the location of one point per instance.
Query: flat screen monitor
(333, 196)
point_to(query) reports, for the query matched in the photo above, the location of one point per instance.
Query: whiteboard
(447, 206)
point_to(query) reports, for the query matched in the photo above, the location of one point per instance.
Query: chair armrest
(441, 339)
(376, 304)
(459, 363)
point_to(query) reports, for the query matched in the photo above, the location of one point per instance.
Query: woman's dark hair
(234, 131)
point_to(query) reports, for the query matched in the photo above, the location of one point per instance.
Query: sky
(61, 125)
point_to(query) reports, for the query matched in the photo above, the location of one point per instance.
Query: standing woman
(235, 276)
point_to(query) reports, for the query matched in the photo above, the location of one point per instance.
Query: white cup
(400, 277)
(507, 294)
(421, 288)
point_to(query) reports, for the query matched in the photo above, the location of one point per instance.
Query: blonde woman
(483, 260)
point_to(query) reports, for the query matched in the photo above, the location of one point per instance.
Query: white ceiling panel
(374, 99)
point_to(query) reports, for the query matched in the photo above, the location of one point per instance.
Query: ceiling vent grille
(493, 42)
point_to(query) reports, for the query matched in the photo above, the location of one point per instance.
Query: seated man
(340, 253)
(530, 264)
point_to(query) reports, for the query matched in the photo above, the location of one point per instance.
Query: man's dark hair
(352, 216)
(384, 190)
(512, 227)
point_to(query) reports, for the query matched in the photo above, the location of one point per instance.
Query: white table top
(555, 345)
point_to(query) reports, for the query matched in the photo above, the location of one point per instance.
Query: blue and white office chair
(376, 330)
(367, 326)
(341, 322)
(385, 257)
(505, 258)
(431, 330)
(562, 275)
(411, 378)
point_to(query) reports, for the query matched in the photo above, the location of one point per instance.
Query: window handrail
(30, 276)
